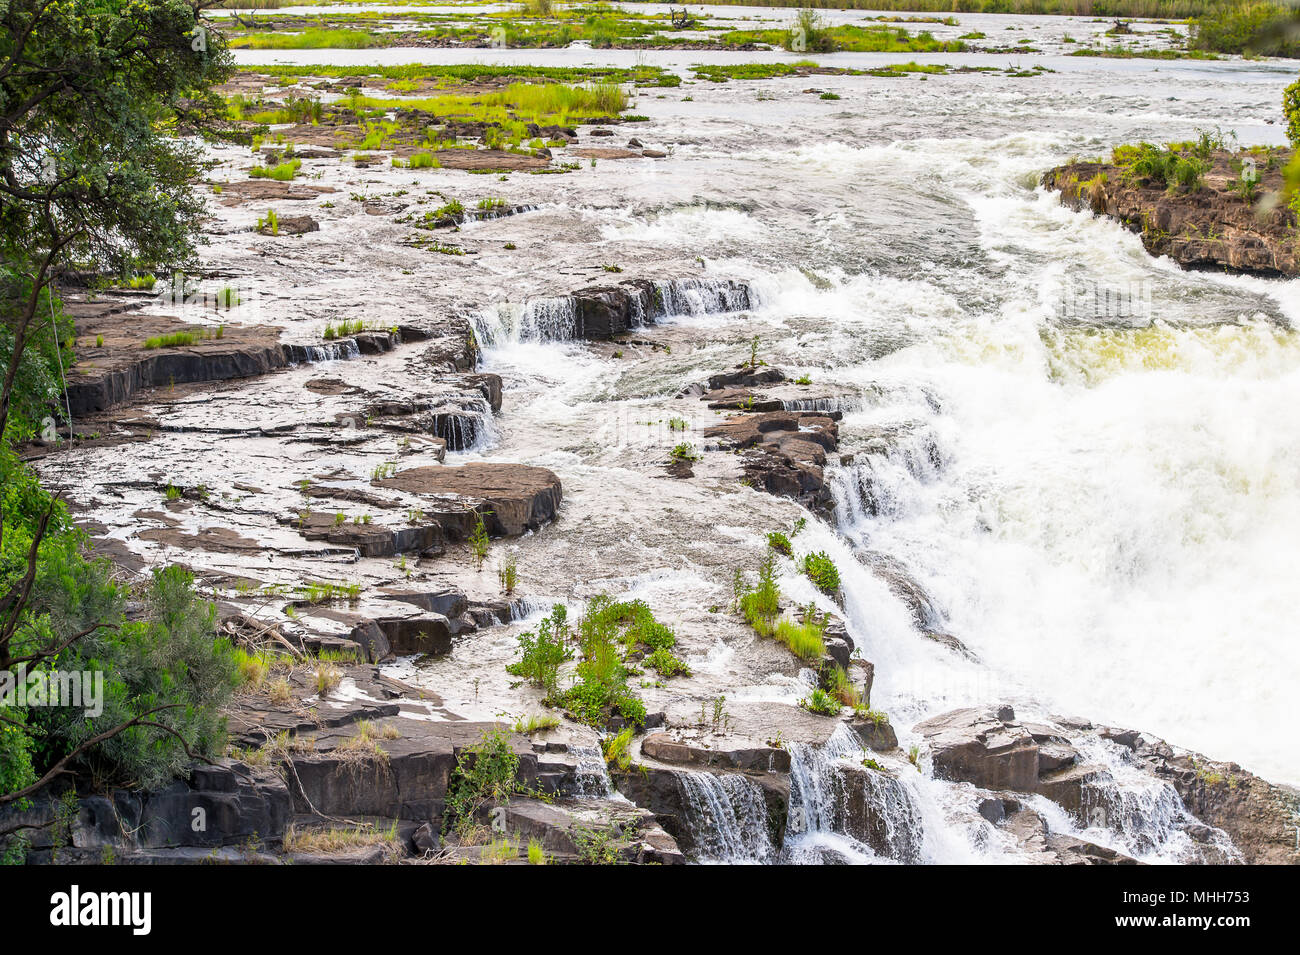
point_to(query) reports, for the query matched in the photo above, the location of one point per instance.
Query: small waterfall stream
(727, 818)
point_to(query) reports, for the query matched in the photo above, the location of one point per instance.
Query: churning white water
(1099, 502)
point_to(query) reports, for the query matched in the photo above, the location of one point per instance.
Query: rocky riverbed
(624, 362)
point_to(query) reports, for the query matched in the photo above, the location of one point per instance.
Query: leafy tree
(92, 175)
(96, 98)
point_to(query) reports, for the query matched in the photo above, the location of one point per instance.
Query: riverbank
(1230, 214)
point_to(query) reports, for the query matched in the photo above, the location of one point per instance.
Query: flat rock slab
(603, 152)
(488, 159)
(519, 496)
(262, 189)
(728, 753)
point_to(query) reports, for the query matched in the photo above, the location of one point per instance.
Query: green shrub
(665, 664)
(1291, 112)
(821, 570)
(1253, 29)
(39, 380)
(780, 543)
(543, 652)
(485, 772)
(170, 657)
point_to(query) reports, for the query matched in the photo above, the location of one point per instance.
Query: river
(1102, 501)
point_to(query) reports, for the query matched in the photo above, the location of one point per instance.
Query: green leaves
(91, 93)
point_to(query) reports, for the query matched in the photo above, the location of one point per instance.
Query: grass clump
(617, 749)
(534, 723)
(779, 542)
(479, 542)
(761, 608)
(819, 701)
(1177, 166)
(839, 686)
(508, 575)
(536, 854)
(178, 339)
(284, 172)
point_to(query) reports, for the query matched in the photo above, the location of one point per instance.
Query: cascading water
(726, 816)
(674, 297)
(556, 318)
(344, 349)
(591, 775)
(537, 320)
(840, 809)
(470, 428)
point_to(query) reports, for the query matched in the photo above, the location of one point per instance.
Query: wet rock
(1212, 227)
(291, 225)
(728, 753)
(903, 584)
(263, 190)
(519, 497)
(402, 778)
(114, 373)
(878, 810)
(603, 152)
(564, 828)
(663, 791)
(1030, 830)
(973, 745)
(878, 735)
(1259, 816)
(680, 468)
(785, 451)
(488, 159)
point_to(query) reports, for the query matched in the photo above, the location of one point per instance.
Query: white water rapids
(1102, 504)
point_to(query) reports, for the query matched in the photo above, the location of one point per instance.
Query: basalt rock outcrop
(783, 452)
(515, 497)
(1210, 227)
(602, 312)
(991, 749)
(113, 365)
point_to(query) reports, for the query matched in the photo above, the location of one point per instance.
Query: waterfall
(727, 818)
(884, 479)
(591, 776)
(537, 320)
(845, 811)
(1128, 810)
(837, 403)
(471, 428)
(555, 318)
(672, 297)
(341, 350)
